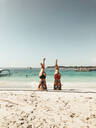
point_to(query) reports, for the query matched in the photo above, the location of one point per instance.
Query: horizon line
(29, 67)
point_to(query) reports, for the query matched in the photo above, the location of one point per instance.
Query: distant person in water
(57, 77)
(42, 76)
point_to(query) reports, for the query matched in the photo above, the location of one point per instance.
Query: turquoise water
(29, 76)
(32, 75)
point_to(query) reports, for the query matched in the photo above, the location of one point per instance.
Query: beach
(47, 63)
(23, 106)
(48, 109)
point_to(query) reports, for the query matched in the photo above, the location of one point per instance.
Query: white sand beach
(34, 109)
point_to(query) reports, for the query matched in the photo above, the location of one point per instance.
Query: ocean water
(28, 78)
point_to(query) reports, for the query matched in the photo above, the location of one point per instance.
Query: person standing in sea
(57, 78)
(42, 76)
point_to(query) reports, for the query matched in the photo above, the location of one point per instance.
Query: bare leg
(44, 63)
(41, 65)
(56, 67)
(39, 85)
(56, 63)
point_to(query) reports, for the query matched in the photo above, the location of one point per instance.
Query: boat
(4, 72)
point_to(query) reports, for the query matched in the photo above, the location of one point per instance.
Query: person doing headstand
(57, 77)
(42, 76)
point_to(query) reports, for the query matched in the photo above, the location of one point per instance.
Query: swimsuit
(57, 76)
(43, 77)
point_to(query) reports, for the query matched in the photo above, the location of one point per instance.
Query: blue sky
(33, 29)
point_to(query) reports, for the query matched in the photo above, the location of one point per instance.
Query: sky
(33, 29)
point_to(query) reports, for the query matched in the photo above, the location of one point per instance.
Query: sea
(28, 79)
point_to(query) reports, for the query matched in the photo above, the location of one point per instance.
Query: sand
(29, 109)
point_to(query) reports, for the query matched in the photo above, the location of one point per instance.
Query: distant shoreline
(76, 68)
(72, 66)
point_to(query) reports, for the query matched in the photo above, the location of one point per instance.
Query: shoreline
(13, 85)
(71, 90)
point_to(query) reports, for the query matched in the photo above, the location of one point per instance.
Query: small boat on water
(4, 72)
